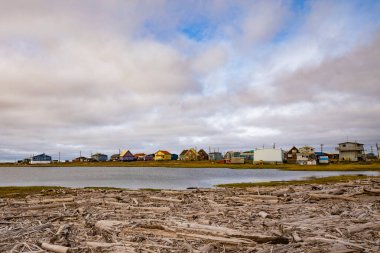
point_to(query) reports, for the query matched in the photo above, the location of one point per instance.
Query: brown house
(140, 156)
(202, 155)
(292, 155)
(188, 155)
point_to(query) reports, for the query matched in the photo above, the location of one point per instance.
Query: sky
(98, 76)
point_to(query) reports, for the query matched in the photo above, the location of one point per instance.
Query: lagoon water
(144, 177)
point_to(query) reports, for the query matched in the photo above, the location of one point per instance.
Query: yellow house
(162, 155)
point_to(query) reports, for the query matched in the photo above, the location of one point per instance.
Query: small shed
(321, 158)
(174, 157)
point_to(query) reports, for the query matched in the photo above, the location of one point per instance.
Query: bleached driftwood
(54, 248)
(329, 196)
(166, 199)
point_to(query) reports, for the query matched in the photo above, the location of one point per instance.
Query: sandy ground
(340, 217)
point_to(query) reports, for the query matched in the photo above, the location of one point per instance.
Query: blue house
(100, 157)
(40, 159)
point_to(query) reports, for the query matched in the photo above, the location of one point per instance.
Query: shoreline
(367, 166)
(23, 191)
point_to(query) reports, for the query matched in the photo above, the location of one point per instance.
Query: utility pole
(321, 148)
(59, 157)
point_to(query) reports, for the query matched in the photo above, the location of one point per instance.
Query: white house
(268, 155)
(351, 151)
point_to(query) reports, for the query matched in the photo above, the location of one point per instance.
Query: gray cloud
(98, 76)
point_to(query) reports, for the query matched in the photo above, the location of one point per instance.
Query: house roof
(125, 152)
(353, 142)
(164, 152)
(202, 151)
(98, 154)
(184, 152)
(81, 157)
(140, 154)
(294, 147)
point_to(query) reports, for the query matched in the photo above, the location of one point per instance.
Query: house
(24, 161)
(291, 156)
(40, 159)
(306, 156)
(139, 156)
(162, 155)
(233, 157)
(115, 158)
(202, 155)
(306, 150)
(188, 155)
(127, 156)
(269, 155)
(351, 151)
(80, 159)
(100, 157)
(149, 157)
(215, 156)
(248, 156)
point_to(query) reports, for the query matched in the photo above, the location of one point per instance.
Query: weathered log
(54, 248)
(166, 199)
(233, 241)
(108, 225)
(371, 191)
(102, 244)
(263, 214)
(296, 237)
(328, 196)
(144, 208)
(367, 226)
(48, 206)
(326, 240)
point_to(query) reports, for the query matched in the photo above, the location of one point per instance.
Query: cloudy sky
(99, 76)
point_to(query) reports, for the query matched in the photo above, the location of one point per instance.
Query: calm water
(135, 178)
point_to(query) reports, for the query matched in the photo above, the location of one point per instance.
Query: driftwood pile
(342, 217)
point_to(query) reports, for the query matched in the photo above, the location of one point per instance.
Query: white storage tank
(268, 155)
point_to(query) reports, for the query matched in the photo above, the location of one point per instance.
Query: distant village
(306, 155)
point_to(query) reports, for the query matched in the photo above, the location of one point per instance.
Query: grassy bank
(23, 191)
(368, 166)
(312, 180)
